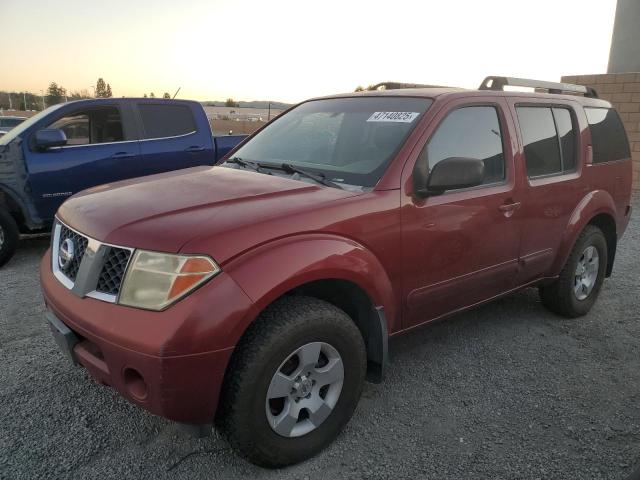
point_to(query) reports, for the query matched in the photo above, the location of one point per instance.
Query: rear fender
(594, 203)
(271, 270)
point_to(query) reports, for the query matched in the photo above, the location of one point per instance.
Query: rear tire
(9, 236)
(249, 409)
(576, 289)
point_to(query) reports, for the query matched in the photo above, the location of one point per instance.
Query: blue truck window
(97, 125)
(161, 121)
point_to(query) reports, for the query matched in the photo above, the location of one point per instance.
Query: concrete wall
(625, 43)
(623, 91)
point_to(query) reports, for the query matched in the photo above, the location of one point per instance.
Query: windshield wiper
(248, 163)
(318, 177)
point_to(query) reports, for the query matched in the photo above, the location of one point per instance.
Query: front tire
(293, 382)
(576, 289)
(9, 236)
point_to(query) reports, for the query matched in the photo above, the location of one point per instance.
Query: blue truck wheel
(9, 236)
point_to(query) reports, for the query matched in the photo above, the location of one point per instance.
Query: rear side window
(160, 121)
(608, 138)
(549, 139)
(471, 132)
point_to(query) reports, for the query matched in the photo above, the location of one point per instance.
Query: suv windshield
(349, 140)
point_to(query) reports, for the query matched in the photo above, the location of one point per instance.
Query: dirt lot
(507, 391)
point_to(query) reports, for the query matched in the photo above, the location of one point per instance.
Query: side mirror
(448, 174)
(50, 137)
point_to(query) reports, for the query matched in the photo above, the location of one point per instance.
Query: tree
(231, 103)
(359, 89)
(101, 88)
(79, 94)
(107, 92)
(55, 93)
(144, 96)
(166, 95)
(152, 95)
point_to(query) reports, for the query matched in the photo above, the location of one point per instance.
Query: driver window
(93, 126)
(471, 132)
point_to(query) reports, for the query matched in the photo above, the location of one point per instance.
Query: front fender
(592, 204)
(271, 270)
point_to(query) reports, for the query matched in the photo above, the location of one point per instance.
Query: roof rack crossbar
(498, 83)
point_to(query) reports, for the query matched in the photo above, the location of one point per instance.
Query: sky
(292, 50)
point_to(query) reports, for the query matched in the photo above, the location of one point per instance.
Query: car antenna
(175, 94)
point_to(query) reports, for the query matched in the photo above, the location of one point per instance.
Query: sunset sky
(292, 50)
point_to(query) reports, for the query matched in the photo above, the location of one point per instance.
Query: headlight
(156, 280)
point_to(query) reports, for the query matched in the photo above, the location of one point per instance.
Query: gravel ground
(507, 391)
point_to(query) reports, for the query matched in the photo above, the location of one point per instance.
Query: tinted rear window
(161, 121)
(541, 148)
(608, 138)
(564, 125)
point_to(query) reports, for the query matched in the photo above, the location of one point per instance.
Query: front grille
(80, 246)
(115, 265)
(86, 266)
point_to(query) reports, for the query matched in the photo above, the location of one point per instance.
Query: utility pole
(94, 90)
(269, 115)
(43, 104)
(10, 104)
(24, 98)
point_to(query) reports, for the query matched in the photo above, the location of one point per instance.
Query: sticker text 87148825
(402, 117)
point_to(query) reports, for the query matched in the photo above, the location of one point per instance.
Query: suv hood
(164, 212)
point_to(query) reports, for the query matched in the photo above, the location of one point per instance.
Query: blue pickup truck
(73, 146)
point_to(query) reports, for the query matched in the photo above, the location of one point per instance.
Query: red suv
(261, 292)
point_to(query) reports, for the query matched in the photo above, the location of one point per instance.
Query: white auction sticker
(403, 117)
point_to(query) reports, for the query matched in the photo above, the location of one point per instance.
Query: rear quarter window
(161, 121)
(608, 138)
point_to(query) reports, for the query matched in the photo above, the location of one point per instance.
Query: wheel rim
(305, 389)
(586, 273)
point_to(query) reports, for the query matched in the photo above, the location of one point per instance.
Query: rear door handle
(509, 208)
(195, 148)
(120, 155)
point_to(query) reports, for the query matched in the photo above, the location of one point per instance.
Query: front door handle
(195, 148)
(120, 155)
(509, 208)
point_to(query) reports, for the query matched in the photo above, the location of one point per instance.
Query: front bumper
(170, 363)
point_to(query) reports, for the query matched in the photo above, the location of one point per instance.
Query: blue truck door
(102, 147)
(174, 135)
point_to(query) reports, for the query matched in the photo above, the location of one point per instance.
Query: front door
(461, 247)
(101, 148)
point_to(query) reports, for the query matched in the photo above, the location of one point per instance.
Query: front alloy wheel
(305, 389)
(293, 382)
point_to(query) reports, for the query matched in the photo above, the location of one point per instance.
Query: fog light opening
(136, 386)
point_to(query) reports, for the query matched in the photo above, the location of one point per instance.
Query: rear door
(102, 147)
(172, 136)
(550, 149)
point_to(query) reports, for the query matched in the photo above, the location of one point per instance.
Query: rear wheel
(293, 382)
(576, 289)
(9, 236)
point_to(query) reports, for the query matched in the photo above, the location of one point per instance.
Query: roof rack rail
(398, 85)
(498, 83)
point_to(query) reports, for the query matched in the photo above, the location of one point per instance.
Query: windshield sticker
(402, 117)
